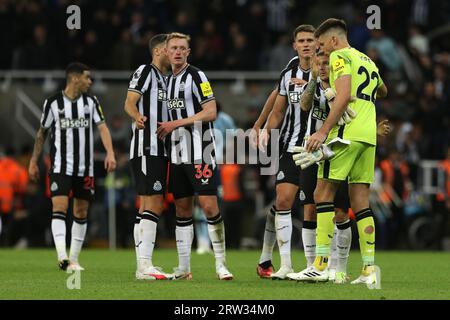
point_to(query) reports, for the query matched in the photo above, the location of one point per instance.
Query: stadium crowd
(412, 51)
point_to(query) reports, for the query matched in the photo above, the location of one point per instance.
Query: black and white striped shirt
(148, 81)
(295, 120)
(319, 110)
(71, 137)
(187, 92)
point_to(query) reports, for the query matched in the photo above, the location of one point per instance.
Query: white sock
(184, 234)
(147, 228)
(309, 241)
(283, 225)
(137, 239)
(343, 244)
(270, 237)
(332, 264)
(59, 234)
(216, 231)
(79, 227)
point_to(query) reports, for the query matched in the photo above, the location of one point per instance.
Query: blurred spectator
(386, 49)
(281, 53)
(40, 53)
(122, 53)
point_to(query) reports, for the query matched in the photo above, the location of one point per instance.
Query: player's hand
(315, 141)
(315, 67)
(165, 128)
(110, 162)
(383, 128)
(298, 82)
(305, 159)
(140, 121)
(263, 139)
(253, 137)
(348, 115)
(33, 171)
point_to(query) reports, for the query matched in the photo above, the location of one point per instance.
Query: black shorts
(288, 172)
(187, 180)
(341, 199)
(308, 182)
(150, 174)
(81, 187)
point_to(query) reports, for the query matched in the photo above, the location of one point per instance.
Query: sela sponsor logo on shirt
(294, 97)
(176, 104)
(319, 114)
(162, 95)
(74, 123)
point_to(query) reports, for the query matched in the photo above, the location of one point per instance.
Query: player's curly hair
(331, 23)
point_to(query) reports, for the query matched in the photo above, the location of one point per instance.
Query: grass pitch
(32, 274)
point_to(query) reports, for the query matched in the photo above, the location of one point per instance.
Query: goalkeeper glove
(305, 159)
(349, 113)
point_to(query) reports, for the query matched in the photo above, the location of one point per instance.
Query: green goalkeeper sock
(324, 233)
(366, 231)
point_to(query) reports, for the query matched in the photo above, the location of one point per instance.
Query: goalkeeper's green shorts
(355, 161)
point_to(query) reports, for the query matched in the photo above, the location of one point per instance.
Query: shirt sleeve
(339, 65)
(202, 88)
(281, 86)
(47, 118)
(98, 112)
(138, 80)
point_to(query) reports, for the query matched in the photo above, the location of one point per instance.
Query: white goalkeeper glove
(305, 159)
(349, 113)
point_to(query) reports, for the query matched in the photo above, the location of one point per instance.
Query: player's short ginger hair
(331, 23)
(303, 28)
(178, 35)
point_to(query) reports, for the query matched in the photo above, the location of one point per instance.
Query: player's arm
(268, 107)
(105, 136)
(382, 91)
(274, 120)
(33, 169)
(132, 110)
(308, 95)
(340, 103)
(208, 113)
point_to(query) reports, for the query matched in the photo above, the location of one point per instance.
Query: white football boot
(153, 273)
(282, 273)
(74, 266)
(370, 276)
(180, 274)
(310, 274)
(223, 273)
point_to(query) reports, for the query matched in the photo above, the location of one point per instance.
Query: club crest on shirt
(157, 186)
(54, 186)
(280, 175)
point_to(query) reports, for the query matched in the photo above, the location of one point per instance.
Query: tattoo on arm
(308, 94)
(39, 143)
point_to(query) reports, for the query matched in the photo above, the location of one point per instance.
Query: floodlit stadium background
(242, 45)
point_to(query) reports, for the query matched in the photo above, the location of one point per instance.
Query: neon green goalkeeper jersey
(365, 82)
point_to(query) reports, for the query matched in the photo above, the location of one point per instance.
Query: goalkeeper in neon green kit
(352, 74)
